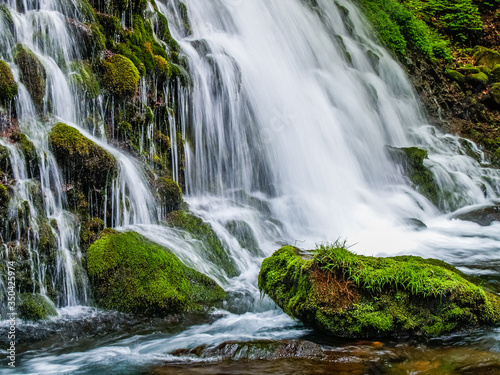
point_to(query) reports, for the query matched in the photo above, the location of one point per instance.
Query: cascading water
(289, 111)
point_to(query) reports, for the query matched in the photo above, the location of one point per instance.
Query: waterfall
(283, 127)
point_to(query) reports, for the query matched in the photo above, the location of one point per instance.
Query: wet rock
(245, 236)
(203, 231)
(8, 87)
(35, 307)
(32, 73)
(259, 349)
(483, 216)
(131, 274)
(411, 159)
(347, 295)
(169, 194)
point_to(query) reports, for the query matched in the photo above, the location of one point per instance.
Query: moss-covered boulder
(477, 79)
(83, 78)
(35, 307)
(487, 57)
(495, 92)
(169, 194)
(83, 162)
(202, 231)
(455, 76)
(411, 159)
(4, 204)
(8, 86)
(29, 151)
(120, 76)
(347, 295)
(132, 274)
(32, 73)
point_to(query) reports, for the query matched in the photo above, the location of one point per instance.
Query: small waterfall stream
(287, 116)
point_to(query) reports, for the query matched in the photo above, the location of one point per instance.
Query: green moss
(348, 295)
(411, 160)
(495, 74)
(32, 73)
(35, 307)
(478, 79)
(83, 162)
(399, 29)
(131, 274)
(83, 78)
(29, 151)
(455, 76)
(203, 232)
(495, 92)
(8, 86)
(487, 57)
(169, 194)
(4, 202)
(120, 76)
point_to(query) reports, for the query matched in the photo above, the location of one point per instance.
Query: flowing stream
(290, 109)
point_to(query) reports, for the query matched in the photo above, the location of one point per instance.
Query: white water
(288, 137)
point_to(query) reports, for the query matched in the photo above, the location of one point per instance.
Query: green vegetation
(120, 76)
(204, 232)
(132, 274)
(85, 165)
(8, 86)
(29, 151)
(32, 73)
(35, 307)
(349, 295)
(83, 78)
(399, 29)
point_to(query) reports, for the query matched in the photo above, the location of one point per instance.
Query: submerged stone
(347, 295)
(131, 274)
(483, 216)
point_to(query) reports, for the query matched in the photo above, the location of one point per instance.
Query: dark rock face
(483, 216)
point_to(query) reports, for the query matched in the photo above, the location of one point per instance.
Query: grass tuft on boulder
(349, 295)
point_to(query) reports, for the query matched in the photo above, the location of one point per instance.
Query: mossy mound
(32, 73)
(204, 232)
(347, 295)
(411, 160)
(487, 57)
(35, 307)
(132, 274)
(83, 162)
(8, 86)
(120, 76)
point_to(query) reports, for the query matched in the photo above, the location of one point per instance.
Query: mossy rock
(169, 194)
(455, 76)
(83, 78)
(29, 151)
(8, 86)
(245, 236)
(83, 162)
(348, 295)
(4, 203)
(478, 79)
(495, 74)
(120, 76)
(486, 57)
(132, 274)
(32, 73)
(35, 307)
(204, 232)
(411, 160)
(495, 92)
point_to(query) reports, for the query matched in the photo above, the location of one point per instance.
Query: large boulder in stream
(131, 274)
(349, 295)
